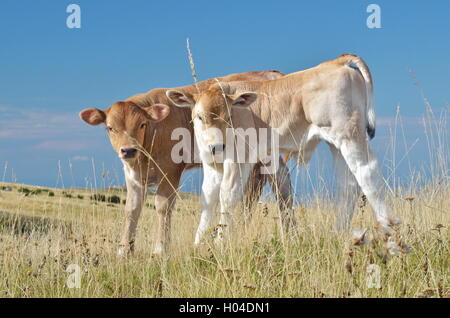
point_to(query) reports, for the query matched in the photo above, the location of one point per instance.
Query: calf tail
(358, 63)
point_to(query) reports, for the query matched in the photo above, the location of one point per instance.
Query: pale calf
(331, 102)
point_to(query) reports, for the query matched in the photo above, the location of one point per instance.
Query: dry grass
(41, 236)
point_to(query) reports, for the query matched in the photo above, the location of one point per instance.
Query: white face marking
(199, 107)
(198, 131)
(198, 125)
(205, 136)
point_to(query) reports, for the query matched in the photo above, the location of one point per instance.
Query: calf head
(127, 125)
(213, 111)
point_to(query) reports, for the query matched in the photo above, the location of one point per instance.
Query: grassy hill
(43, 231)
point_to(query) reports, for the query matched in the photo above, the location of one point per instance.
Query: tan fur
(291, 103)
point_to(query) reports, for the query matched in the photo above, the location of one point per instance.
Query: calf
(140, 130)
(331, 102)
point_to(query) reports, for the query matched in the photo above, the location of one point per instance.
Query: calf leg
(255, 187)
(164, 201)
(231, 192)
(282, 188)
(209, 199)
(348, 190)
(364, 166)
(136, 194)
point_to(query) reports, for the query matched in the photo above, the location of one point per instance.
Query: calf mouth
(216, 149)
(128, 157)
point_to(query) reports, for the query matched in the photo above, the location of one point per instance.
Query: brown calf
(140, 131)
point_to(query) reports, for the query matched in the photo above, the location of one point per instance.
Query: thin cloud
(80, 158)
(19, 124)
(64, 145)
(6, 133)
(44, 132)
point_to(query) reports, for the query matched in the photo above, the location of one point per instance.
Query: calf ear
(244, 99)
(93, 116)
(157, 112)
(181, 99)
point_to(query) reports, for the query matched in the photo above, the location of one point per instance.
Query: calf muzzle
(217, 148)
(128, 153)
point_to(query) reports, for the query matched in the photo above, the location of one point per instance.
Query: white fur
(209, 199)
(235, 178)
(135, 199)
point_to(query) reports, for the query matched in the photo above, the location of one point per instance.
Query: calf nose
(216, 148)
(128, 152)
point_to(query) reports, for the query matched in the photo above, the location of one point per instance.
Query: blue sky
(49, 72)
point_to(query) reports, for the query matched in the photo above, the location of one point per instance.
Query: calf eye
(143, 125)
(200, 118)
(109, 129)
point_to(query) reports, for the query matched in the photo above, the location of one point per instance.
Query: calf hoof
(405, 249)
(392, 247)
(203, 243)
(221, 234)
(159, 250)
(218, 241)
(386, 228)
(124, 251)
(360, 237)
(293, 229)
(394, 221)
